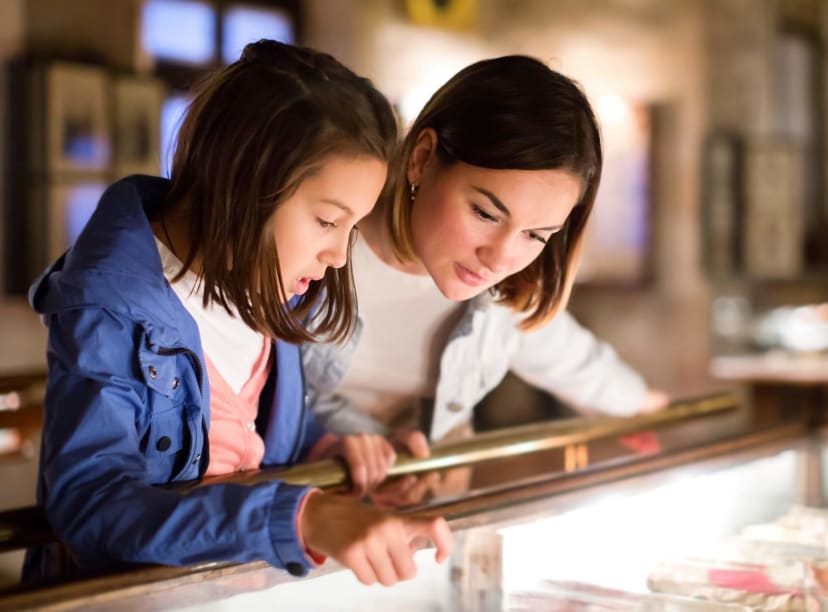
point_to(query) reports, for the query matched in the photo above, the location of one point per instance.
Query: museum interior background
(711, 223)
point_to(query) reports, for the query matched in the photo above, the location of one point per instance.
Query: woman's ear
(425, 147)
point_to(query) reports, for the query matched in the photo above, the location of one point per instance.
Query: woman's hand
(647, 442)
(416, 488)
(412, 488)
(368, 457)
(375, 545)
(654, 400)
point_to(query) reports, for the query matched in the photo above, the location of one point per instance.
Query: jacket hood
(115, 263)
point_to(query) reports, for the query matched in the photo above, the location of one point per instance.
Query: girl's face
(472, 227)
(312, 228)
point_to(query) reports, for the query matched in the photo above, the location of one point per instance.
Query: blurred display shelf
(774, 366)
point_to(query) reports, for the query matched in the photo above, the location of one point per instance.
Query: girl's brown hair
(515, 113)
(252, 134)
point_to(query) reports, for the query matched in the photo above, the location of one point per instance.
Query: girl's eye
(483, 214)
(326, 224)
(538, 237)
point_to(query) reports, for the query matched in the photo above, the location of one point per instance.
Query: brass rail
(498, 444)
(23, 527)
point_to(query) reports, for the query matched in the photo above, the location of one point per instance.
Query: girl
(474, 244)
(173, 325)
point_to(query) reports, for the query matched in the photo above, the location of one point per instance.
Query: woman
(464, 268)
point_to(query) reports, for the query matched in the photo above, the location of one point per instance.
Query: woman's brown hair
(513, 113)
(253, 132)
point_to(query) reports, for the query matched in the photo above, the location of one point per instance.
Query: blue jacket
(127, 407)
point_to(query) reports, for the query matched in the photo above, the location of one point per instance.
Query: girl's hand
(375, 545)
(411, 441)
(368, 457)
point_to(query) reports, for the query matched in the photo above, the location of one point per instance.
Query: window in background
(72, 204)
(172, 113)
(79, 202)
(60, 211)
(241, 25)
(179, 31)
(189, 38)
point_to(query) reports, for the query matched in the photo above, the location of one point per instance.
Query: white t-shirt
(406, 323)
(227, 340)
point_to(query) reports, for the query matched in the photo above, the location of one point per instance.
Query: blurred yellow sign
(453, 14)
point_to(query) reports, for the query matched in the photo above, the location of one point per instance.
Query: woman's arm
(567, 360)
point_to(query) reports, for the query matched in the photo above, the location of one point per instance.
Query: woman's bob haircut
(512, 113)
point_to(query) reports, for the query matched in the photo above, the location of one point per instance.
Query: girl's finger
(362, 568)
(357, 466)
(381, 564)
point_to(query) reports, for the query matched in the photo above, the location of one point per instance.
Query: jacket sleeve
(325, 365)
(340, 416)
(568, 361)
(94, 476)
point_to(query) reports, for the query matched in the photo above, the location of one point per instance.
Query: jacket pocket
(168, 445)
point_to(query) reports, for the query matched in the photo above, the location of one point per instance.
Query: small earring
(412, 192)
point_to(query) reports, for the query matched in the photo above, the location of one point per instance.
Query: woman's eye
(538, 237)
(483, 214)
(326, 224)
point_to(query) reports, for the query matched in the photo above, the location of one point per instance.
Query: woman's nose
(496, 256)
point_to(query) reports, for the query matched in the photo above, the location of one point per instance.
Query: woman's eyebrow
(502, 208)
(495, 200)
(339, 205)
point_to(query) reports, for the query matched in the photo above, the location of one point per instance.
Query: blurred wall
(22, 337)
(97, 30)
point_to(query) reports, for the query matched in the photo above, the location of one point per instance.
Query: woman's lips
(468, 277)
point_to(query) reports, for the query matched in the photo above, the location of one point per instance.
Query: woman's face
(472, 227)
(313, 226)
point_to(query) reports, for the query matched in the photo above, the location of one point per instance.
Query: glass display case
(719, 514)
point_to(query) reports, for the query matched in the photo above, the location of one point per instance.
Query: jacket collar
(115, 265)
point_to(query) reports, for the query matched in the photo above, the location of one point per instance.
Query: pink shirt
(234, 443)
(235, 446)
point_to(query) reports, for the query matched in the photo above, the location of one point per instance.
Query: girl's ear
(425, 147)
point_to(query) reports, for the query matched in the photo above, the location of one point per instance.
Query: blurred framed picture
(617, 241)
(774, 220)
(136, 110)
(57, 216)
(722, 209)
(74, 122)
